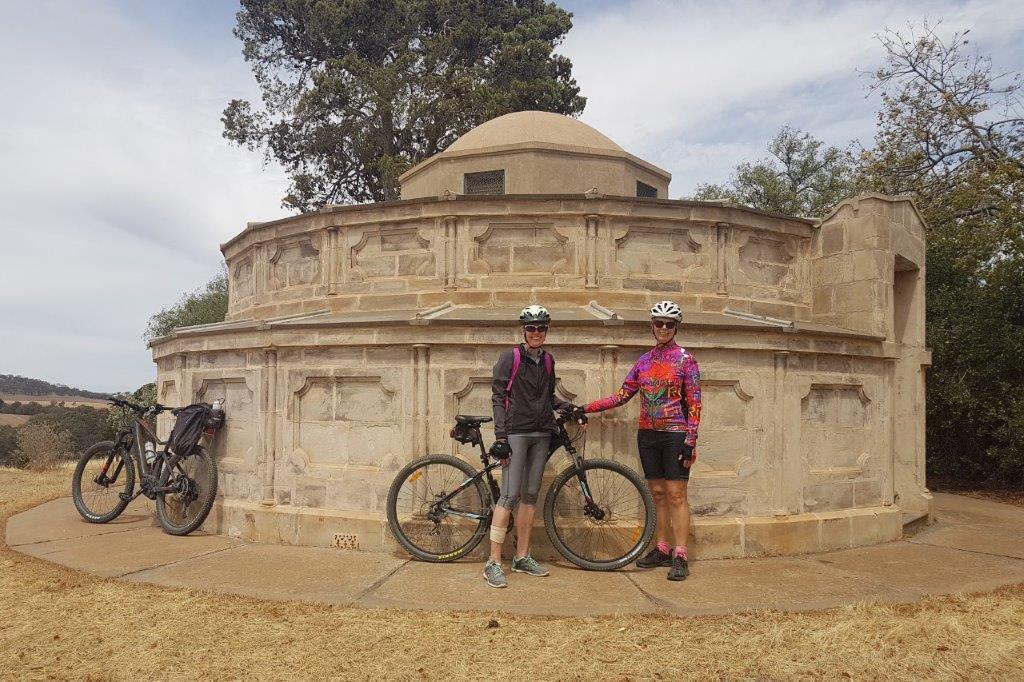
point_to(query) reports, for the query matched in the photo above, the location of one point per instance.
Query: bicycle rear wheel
(610, 529)
(427, 528)
(103, 482)
(194, 479)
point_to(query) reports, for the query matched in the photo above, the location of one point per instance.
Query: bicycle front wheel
(607, 529)
(103, 482)
(428, 523)
(194, 482)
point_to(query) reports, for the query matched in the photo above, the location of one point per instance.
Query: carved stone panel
(392, 253)
(338, 421)
(236, 445)
(294, 264)
(656, 252)
(243, 282)
(521, 249)
(835, 436)
(727, 448)
(767, 260)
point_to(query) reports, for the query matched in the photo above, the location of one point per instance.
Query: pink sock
(663, 547)
(680, 550)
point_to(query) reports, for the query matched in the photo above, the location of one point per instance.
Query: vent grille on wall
(487, 182)
(646, 191)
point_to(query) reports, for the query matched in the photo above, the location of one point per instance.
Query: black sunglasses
(667, 324)
(535, 328)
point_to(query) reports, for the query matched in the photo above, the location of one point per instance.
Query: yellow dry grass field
(13, 419)
(58, 623)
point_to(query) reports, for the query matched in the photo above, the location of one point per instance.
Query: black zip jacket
(532, 399)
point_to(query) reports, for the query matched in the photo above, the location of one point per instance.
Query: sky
(117, 188)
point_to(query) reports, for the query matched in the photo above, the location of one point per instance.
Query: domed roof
(525, 127)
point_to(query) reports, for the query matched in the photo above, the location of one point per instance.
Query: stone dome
(532, 127)
(534, 152)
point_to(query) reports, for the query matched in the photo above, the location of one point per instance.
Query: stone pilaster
(269, 404)
(590, 251)
(607, 425)
(421, 398)
(785, 466)
(721, 273)
(451, 252)
(331, 245)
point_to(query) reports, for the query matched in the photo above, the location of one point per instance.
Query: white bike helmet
(533, 314)
(667, 309)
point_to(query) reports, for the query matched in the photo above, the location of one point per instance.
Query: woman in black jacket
(524, 401)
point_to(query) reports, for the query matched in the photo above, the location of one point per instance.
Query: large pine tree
(357, 91)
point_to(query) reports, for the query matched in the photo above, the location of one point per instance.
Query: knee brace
(498, 534)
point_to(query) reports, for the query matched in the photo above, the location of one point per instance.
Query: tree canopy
(354, 92)
(950, 134)
(801, 176)
(206, 305)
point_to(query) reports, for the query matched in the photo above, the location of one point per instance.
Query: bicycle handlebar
(577, 415)
(156, 408)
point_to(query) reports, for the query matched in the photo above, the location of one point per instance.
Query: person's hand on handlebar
(576, 414)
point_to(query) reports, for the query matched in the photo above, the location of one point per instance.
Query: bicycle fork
(590, 508)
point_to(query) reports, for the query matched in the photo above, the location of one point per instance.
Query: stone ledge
(717, 538)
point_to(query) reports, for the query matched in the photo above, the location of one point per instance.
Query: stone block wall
(813, 422)
(490, 250)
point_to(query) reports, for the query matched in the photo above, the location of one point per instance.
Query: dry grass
(13, 419)
(57, 623)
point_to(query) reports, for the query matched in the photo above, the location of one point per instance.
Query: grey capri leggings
(525, 471)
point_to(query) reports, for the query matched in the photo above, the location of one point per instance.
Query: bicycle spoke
(185, 504)
(100, 493)
(427, 519)
(610, 530)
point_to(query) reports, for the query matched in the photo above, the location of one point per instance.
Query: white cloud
(116, 185)
(663, 78)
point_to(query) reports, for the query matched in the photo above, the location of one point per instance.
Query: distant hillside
(23, 386)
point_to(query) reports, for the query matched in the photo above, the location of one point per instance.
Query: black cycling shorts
(659, 454)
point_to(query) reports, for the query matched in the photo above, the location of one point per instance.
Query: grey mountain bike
(184, 487)
(599, 514)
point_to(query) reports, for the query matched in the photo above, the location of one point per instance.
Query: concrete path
(976, 545)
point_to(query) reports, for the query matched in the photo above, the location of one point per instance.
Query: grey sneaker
(529, 565)
(494, 575)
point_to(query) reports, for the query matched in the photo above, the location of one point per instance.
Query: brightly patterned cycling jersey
(668, 379)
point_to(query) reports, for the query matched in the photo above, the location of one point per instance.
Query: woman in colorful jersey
(668, 380)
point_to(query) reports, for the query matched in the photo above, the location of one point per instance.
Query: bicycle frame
(559, 440)
(132, 439)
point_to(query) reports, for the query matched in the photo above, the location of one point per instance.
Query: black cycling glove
(686, 454)
(500, 450)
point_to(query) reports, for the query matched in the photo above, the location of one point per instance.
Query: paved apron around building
(975, 545)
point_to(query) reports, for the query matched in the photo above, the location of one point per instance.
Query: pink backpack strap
(517, 358)
(549, 363)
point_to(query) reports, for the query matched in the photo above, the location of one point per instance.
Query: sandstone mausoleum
(356, 333)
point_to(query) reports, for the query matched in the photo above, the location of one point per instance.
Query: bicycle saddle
(467, 419)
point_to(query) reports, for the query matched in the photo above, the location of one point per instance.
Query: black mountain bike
(184, 487)
(598, 513)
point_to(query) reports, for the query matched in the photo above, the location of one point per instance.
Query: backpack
(188, 428)
(517, 359)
